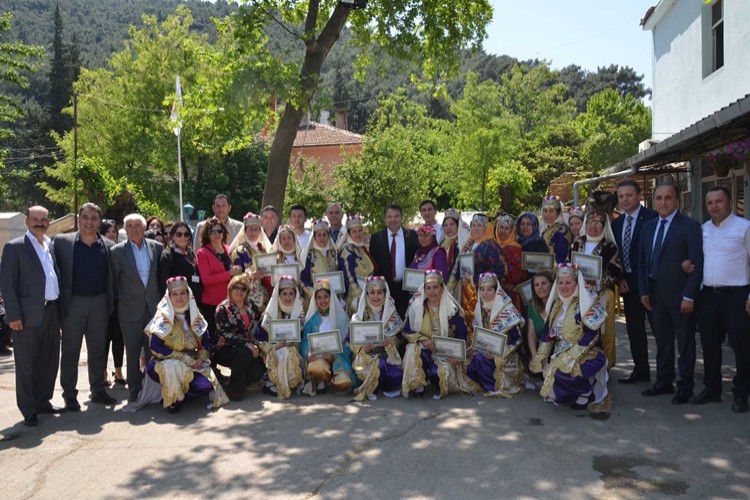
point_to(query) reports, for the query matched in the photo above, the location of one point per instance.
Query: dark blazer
(380, 249)
(132, 297)
(64, 244)
(22, 281)
(644, 215)
(683, 240)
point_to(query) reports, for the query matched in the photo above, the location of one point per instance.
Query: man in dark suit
(29, 281)
(86, 300)
(134, 268)
(627, 230)
(669, 292)
(393, 249)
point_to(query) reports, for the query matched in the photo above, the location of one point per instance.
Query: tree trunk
(281, 147)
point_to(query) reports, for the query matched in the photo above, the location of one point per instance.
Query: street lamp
(354, 4)
(188, 208)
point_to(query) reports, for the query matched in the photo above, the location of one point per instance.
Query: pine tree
(60, 84)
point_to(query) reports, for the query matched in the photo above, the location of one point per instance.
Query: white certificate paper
(264, 262)
(488, 341)
(466, 265)
(284, 270)
(413, 279)
(447, 347)
(366, 332)
(283, 330)
(325, 343)
(336, 279)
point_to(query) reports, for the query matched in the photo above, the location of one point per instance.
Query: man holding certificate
(433, 314)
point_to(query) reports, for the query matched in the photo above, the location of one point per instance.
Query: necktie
(656, 253)
(626, 243)
(393, 256)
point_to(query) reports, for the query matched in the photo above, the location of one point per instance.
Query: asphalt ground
(331, 447)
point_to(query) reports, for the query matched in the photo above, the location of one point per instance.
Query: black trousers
(721, 314)
(245, 368)
(635, 322)
(114, 338)
(670, 325)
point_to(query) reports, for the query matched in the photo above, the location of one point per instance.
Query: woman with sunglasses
(234, 344)
(178, 259)
(215, 268)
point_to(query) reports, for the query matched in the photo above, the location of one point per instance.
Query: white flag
(175, 118)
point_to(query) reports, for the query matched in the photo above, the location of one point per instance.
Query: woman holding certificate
(378, 366)
(570, 355)
(429, 254)
(247, 245)
(505, 235)
(284, 364)
(499, 373)
(555, 233)
(357, 263)
(597, 239)
(325, 315)
(434, 314)
(455, 234)
(286, 246)
(233, 342)
(541, 287)
(320, 256)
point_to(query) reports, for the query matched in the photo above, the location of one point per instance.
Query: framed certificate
(488, 341)
(366, 332)
(588, 265)
(336, 279)
(526, 290)
(538, 261)
(466, 264)
(283, 330)
(447, 347)
(284, 270)
(413, 279)
(264, 262)
(325, 343)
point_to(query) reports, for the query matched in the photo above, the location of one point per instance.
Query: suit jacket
(683, 240)
(22, 281)
(644, 215)
(380, 249)
(132, 297)
(64, 245)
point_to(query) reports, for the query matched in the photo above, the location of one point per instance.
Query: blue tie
(656, 253)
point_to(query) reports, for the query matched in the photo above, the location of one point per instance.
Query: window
(717, 35)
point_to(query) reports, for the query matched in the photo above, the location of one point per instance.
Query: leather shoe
(682, 397)
(740, 406)
(633, 378)
(71, 404)
(51, 410)
(657, 391)
(103, 398)
(31, 420)
(705, 397)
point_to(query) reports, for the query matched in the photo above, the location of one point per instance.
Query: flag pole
(179, 173)
(177, 129)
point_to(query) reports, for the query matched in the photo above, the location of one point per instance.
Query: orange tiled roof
(318, 134)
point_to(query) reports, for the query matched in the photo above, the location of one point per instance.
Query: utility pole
(75, 160)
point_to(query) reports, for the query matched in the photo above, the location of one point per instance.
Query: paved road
(328, 447)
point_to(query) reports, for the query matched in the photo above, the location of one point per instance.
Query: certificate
(526, 289)
(325, 343)
(413, 279)
(366, 332)
(447, 347)
(336, 279)
(538, 261)
(284, 270)
(264, 262)
(588, 265)
(466, 265)
(283, 330)
(488, 341)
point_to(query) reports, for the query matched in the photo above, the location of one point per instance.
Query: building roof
(318, 134)
(655, 14)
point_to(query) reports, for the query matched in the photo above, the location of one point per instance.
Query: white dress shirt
(304, 238)
(142, 260)
(400, 252)
(634, 215)
(51, 284)
(669, 220)
(726, 252)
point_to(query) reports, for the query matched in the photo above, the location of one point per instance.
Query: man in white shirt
(724, 307)
(30, 284)
(297, 218)
(222, 208)
(335, 214)
(428, 211)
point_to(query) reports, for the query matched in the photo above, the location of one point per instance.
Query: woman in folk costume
(357, 262)
(248, 244)
(527, 233)
(323, 315)
(575, 221)
(597, 239)
(179, 370)
(319, 256)
(284, 364)
(433, 312)
(498, 375)
(455, 234)
(378, 367)
(555, 233)
(286, 246)
(569, 354)
(429, 254)
(515, 274)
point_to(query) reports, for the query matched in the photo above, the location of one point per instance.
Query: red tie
(393, 256)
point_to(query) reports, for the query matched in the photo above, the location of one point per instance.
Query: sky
(589, 33)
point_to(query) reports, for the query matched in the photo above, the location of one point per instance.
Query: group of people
(196, 301)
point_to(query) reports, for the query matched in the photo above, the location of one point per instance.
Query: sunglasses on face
(240, 288)
(216, 231)
(180, 234)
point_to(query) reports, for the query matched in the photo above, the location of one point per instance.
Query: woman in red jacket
(215, 269)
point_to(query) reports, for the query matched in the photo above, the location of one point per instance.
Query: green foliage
(309, 190)
(612, 126)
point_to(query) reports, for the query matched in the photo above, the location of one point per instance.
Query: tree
(583, 84)
(310, 190)
(426, 31)
(61, 84)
